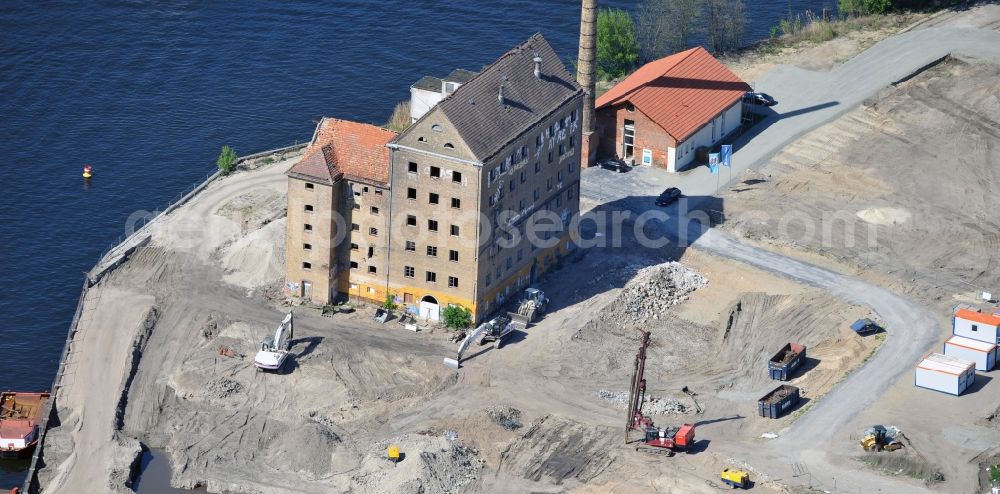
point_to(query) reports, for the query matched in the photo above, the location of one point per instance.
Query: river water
(147, 92)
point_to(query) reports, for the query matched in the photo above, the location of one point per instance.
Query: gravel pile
(651, 406)
(652, 291)
(505, 416)
(223, 388)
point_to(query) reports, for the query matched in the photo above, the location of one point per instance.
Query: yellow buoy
(88, 171)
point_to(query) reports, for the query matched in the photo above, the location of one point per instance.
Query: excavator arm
(462, 347)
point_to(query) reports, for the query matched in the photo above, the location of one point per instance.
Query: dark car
(615, 166)
(759, 99)
(669, 196)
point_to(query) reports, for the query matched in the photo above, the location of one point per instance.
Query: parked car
(669, 196)
(865, 326)
(759, 99)
(615, 166)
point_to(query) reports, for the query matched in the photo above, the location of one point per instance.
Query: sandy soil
(913, 174)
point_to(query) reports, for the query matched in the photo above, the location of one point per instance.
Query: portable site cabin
(946, 374)
(982, 326)
(982, 353)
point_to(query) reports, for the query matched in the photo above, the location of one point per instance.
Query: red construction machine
(664, 440)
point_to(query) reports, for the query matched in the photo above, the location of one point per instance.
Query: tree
(227, 160)
(864, 7)
(724, 24)
(390, 302)
(666, 26)
(456, 316)
(617, 50)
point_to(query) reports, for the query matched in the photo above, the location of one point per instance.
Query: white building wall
(671, 159)
(984, 360)
(940, 381)
(421, 101)
(725, 122)
(983, 332)
(733, 116)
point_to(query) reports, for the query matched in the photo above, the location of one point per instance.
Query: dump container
(778, 402)
(782, 365)
(944, 373)
(982, 353)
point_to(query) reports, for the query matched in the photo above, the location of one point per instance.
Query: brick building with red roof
(667, 109)
(344, 173)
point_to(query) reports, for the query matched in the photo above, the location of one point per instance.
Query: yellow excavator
(878, 438)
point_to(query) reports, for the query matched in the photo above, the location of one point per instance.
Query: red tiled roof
(976, 316)
(681, 93)
(344, 148)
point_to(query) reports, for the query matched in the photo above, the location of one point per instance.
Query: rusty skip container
(782, 365)
(778, 402)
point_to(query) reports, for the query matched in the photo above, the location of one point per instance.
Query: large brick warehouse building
(440, 213)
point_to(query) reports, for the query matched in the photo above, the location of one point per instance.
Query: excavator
(531, 305)
(274, 350)
(663, 440)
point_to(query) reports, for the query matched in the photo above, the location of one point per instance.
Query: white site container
(945, 374)
(982, 326)
(982, 353)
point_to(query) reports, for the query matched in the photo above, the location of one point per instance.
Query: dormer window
(629, 107)
(449, 87)
(449, 145)
(436, 128)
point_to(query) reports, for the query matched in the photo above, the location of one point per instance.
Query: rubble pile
(505, 416)
(652, 291)
(651, 405)
(223, 388)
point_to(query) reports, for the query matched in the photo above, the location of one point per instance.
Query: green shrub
(456, 316)
(617, 49)
(390, 302)
(227, 160)
(995, 473)
(864, 7)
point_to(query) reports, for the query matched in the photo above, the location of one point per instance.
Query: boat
(20, 414)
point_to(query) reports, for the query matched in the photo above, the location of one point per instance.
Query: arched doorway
(429, 308)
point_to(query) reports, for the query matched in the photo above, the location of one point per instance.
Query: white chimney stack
(500, 95)
(538, 67)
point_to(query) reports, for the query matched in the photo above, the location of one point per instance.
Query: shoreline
(108, 262)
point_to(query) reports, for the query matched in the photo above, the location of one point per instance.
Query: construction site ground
(543, 413)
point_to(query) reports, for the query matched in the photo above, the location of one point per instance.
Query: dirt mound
(429, 464)
(505, 416)
(651, 292)
(557, 449)
(256, 259)
(651, 405)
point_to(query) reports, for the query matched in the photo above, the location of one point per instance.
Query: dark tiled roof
(484, 123)
(429, 83)
(681, 93)
(461, 76)
(344, 148)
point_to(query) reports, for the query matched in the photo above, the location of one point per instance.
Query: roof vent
(500, 95)
(538, 66)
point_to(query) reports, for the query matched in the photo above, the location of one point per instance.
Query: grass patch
(400, 118)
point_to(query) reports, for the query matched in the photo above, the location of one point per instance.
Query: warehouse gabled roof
(971, 344)
(680, 93)
(980, 317)
(484, 122)
(944, 363)
(344, 148)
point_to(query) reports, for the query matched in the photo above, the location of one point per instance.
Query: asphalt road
(808, 100)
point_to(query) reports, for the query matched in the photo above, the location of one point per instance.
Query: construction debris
(652, 291)
(505, 416)
(652, 405)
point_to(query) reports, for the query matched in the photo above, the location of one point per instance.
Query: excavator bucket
(450, 362)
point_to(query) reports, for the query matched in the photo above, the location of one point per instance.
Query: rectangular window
(354, 246)
(374, 210)
(489, 280)
(559, 176)
(562, 149)
(548, 183)
(535, 195)
(572, 141)
(371, 252)
(372, 270)
(433, 198)
(513, 185)
(520, 255)
(432, 277)
(453, 255)
(355, 227)
(456, 177)
(559, 200)
(454, 230)
(378, 192)
(452, 282)
(510, 262)
(356, 206)
(411, 168)
(432, 225)
(569, 167)
(411, 193)
(354, 265)
(456, 203)
(310, 186)
(411, 246)
(364, 189)
(975, 327)
(307, 247)
(432, 251)
(309, 208)
(408, 297)
(435, 172)
(409, 272)
(499, 272)
(538, 166)
(520, 204)
(307, 266)
(538, 140)
(373, 231)
(552, 130)
(307, 227)
(411, 220)
(550, 156)
(524, 177)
